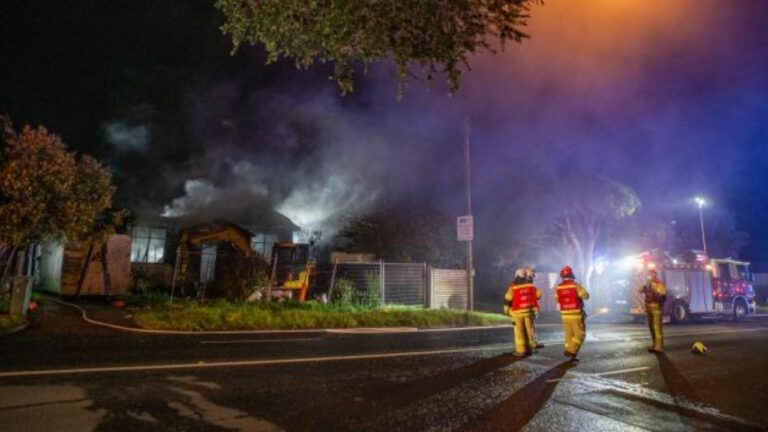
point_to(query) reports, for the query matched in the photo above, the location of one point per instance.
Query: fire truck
(697, 285)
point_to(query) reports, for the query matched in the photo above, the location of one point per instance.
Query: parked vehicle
(698, 285)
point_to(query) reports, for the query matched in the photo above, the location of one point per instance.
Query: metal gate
(405, 284)
(448, 289)
(398, 283)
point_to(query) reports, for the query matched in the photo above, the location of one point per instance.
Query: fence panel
(362, 275)
(448, 289)
(405, 283)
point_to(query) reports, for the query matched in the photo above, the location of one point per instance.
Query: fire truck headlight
(603, 310)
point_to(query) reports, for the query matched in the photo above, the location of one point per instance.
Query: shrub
(343, 292)
(372, 296)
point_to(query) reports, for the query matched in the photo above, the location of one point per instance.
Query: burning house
(202, 248)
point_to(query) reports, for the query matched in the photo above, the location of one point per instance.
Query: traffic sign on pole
(464, 228)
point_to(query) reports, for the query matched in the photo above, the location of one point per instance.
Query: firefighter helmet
(567, 273)
(520, 273)
(698, 348)
(530, 274)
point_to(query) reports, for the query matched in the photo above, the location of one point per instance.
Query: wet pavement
(64, 375)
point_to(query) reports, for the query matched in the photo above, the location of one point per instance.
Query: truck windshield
(743, 272)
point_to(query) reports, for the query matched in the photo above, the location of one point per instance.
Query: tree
(410, 234)
(47, 193)
(423, 37)
(585, 222)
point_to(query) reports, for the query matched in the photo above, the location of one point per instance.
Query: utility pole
(701, 202)
(467, 184)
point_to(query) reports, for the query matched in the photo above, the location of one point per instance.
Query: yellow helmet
(698, 348)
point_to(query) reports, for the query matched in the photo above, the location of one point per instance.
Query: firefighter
(570, 297)
(655, 294)
(521, 299)
(530, 275)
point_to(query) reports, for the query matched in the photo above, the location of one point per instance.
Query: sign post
(465, 224)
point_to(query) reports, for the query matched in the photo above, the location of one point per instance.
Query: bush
(371, 298)
(343, 292)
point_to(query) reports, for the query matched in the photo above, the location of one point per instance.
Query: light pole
(701, 203)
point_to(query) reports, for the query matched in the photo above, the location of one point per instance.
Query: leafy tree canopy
(46, 192)
(423, 37)
(403, 233)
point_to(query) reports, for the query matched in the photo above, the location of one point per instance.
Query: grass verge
(222, 315)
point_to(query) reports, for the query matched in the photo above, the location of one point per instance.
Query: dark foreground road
(66, 376)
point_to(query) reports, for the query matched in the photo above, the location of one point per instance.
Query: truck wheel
(739, 310)
(679, 312)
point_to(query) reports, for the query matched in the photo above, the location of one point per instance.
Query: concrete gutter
(13, 330)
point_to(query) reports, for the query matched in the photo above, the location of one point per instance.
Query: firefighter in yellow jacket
(570, 297)
(655, 294)
(520, 303)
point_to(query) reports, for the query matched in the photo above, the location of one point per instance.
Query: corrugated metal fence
(448, 289)
(411, 284)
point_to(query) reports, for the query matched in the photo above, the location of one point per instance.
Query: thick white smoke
(125, 137)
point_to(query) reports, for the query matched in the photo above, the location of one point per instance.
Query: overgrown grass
(8, 322)
(222, 315)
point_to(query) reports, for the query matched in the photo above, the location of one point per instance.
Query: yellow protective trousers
(653, 312)
(574, 330)
(524, 332)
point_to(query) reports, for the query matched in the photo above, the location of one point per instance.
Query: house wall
(61, 267)
(51, 260)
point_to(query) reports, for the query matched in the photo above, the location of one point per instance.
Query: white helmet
(521, 273)
(530, 273)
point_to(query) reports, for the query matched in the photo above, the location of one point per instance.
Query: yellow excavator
(293, 270)
(239, 238)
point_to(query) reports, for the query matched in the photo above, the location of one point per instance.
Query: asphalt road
(68, 376)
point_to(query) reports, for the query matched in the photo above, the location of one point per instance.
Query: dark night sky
(669, 97)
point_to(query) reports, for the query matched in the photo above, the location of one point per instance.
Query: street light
(701, 203)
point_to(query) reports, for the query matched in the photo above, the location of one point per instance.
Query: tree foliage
(47, 192)
(585, 222)
(422, 37)
(403, 234)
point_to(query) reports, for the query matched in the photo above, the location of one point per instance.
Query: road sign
(464, 228)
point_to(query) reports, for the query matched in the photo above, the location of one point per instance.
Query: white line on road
(602, 374)
(250, 341)
(265, 362)
(621, 371)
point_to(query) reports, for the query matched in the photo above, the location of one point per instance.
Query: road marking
(601, 374)
(247, 341)
(373, 330)
(621, 371)
(265, 362)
